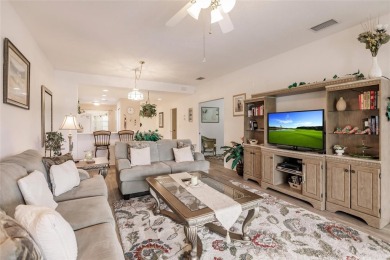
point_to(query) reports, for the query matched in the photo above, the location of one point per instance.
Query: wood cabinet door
(248, 161)
(311, 187)
(267, 167)
(338, 183)
(365, 190)
(257, 163)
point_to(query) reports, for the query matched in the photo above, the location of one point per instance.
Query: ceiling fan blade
(226, 24)
(178, 16)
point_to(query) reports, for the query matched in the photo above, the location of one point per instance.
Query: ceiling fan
(219, 12)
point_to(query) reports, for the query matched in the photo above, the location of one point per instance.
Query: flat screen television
(297, 129)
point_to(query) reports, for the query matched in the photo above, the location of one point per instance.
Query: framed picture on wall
(238, 104)
(161, 119)
(210, 114)
(190, 114)
(16, 74)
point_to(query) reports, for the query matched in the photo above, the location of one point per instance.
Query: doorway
(174, 123)
(211, 124)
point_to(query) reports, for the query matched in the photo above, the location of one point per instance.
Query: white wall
(20, 128)
(214, 130)
(340, 54)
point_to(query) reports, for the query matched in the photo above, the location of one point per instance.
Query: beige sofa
(131, 179)
(85, 207)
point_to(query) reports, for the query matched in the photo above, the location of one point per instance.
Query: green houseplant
(148, 110)
(235, 153)
(148, 136)
(53, 142)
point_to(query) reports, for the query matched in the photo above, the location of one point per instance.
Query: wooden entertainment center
(357, 182)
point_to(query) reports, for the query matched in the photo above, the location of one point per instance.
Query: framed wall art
(190, 115)
(161, 120)
(210, 114)
(238, 104)
(16, 76)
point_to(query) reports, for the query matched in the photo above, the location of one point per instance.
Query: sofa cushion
(50, 231)
(182, 144)
(121, 150)
(121, 164)
(86, 212)
(165, 150)
(140, 156)
(140, 173)
(183, 154)
(15, 241)
(31, 160)
(188, 166)
(35, 190)
(95, 186)
(64, 177)
(98, 242)
(10, 195)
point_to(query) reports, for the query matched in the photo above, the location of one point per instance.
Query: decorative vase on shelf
(375, 71)
(341, 105)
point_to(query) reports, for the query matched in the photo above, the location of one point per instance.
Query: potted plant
(53, 142)
(235, 153)
(148, 136)
(148, 110)
(339, 149)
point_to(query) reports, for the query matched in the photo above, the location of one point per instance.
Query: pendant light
(135, 94)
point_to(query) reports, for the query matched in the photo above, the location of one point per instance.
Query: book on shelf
(368, 100)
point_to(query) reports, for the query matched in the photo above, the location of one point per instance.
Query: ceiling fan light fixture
(216, 15)
(203, 3)
(194, 11)
(135, 94)
(227, 5)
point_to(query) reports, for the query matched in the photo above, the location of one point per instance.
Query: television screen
(297, 129)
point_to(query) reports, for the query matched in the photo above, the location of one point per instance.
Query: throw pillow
(135, 145)
(50, 231)
(15, 241)
(35, 190)
(48, 162)
(64, 177)
(140, 156)
(183, 154)
(182, 144)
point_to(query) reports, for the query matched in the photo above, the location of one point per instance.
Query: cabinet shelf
(345, 135)
(286, 186)
(354, 110)
(257, 130)
(287, 170)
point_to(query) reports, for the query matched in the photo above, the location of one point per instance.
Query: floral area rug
(281, 231)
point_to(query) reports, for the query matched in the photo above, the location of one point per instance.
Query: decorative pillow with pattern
(135, 145)
(182, 145)
(48, 162)
(15, 241)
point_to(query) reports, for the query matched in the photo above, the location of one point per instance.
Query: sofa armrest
(83, 174)
(122, 164)
(198, 156)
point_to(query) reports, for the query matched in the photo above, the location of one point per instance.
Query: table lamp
(69, 123)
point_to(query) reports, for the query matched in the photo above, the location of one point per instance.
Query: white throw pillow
(35, 190)
(183, 154)
(50, 231)
(64, 177)
(140, 156)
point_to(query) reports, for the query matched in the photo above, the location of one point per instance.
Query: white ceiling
(110, 37)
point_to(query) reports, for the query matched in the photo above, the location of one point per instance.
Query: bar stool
(126, 135)
(102, 141)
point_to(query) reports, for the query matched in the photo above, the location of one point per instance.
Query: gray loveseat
(131, 179)
(85, 207)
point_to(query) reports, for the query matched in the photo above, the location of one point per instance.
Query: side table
(100, 163)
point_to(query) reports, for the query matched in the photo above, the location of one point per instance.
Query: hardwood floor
(217, 169)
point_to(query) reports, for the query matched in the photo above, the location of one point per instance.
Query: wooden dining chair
(102, 141)
(126, 135)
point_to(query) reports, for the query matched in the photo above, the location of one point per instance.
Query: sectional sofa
(131, 179)
(85, 207)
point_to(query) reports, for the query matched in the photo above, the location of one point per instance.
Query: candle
(194, 180)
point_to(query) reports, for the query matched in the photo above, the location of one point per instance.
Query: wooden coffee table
(100, 163)
(190, 212)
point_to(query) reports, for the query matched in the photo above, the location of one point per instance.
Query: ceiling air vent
(324, 25)
(200, 78)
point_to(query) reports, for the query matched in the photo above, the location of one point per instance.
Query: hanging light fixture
(135, 94)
